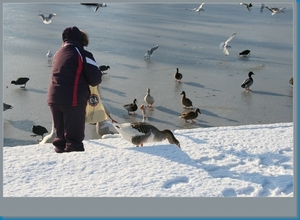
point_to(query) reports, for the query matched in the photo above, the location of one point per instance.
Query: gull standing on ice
(276, 10)
(197, 9)
(247, 5)
(49, 55)
(224, 45)
(46, 20)
(149, 99)
(149, 53)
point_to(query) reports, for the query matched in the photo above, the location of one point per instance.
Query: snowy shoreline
(231, 161)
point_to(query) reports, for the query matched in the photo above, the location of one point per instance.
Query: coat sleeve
(91, 70)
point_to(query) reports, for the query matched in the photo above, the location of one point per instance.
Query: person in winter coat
(73, 70)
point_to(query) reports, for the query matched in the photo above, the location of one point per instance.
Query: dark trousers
(69, 123)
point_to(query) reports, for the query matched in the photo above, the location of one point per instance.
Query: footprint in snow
(177, 180)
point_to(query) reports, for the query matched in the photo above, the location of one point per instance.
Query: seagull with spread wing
(47, 20)
(276, 10)
(149, 53)
(224, 45)
(197, 9)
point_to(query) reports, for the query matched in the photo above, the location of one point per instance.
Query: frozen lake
(119, 36)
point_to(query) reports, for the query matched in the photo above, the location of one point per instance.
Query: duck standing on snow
(248, 82)
(178, 76)
(190, 115)
(247, 5)
(131, 107)
(186, 101)
(139, 133)
(149, 99)
(245, 53)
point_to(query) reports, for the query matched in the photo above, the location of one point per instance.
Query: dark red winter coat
(73, 70)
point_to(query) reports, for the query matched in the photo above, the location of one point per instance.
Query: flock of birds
(274, 10)
(139, 133)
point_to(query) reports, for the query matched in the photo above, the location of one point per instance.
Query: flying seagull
(149, 53)
(197, 9)
(46, 20)
(100, 5)
(276, 10)
(247, 5)
(224, 45)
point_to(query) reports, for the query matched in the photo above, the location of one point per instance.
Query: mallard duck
(139, 133)
(245, 53)
(224, 45)
(47, 20)
(20, 81)
(186, 101)
(131, 107)
(276, 10)
(149, 53)
(178, 76)
(248, 82)
(190, 115)
(149, 99)
(247, 5)
(291, 81)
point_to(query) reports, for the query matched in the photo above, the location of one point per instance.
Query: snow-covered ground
(241, 161)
